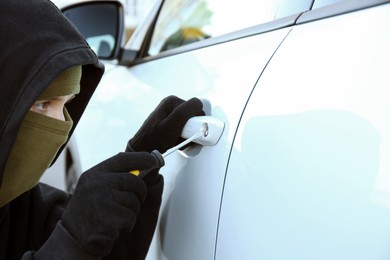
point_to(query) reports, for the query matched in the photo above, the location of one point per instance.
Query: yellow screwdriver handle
(159, 163)
(135, 172)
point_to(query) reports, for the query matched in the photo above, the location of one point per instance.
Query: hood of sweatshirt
(37, 43)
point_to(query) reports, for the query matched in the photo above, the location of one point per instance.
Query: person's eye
(41, 106)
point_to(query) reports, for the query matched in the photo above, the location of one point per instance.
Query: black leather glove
(162, 129)
(106, 202)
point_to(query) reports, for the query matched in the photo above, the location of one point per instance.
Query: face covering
(37, 143)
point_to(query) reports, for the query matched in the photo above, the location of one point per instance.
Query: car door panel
(224, 75)
(309, 176)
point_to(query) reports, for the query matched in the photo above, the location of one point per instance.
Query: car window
(185, 21)
(135, 11)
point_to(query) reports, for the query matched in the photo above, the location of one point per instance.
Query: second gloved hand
(163, 127)
(106, 202)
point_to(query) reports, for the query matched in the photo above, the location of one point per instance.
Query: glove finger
(129, 199)
(167, 105)
(125, 181)
(183, 112)
(125, 162)
(130, 218)
(120, 217)
(153, 177)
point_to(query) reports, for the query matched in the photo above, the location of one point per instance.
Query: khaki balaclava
(38, 140)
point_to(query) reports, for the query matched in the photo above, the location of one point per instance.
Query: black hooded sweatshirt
(37, 43)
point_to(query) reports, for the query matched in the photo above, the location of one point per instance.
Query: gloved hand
(106, 202)
(162, 129)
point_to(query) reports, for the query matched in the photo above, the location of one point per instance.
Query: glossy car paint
(309, 171)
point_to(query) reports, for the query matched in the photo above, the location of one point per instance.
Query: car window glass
(135, 11)
(185, 21)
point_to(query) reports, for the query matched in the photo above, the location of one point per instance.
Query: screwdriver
(159, 163)
(160, 157)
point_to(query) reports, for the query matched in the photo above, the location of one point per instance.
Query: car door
(194, 177)
(222, 71)
(308, 176)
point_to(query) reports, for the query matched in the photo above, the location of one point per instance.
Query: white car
(302, 168)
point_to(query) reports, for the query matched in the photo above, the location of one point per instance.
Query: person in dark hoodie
(48, 73)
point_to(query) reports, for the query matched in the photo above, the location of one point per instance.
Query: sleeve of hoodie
(47, 238)
(52, 241)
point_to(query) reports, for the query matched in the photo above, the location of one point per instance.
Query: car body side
(301, 169)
